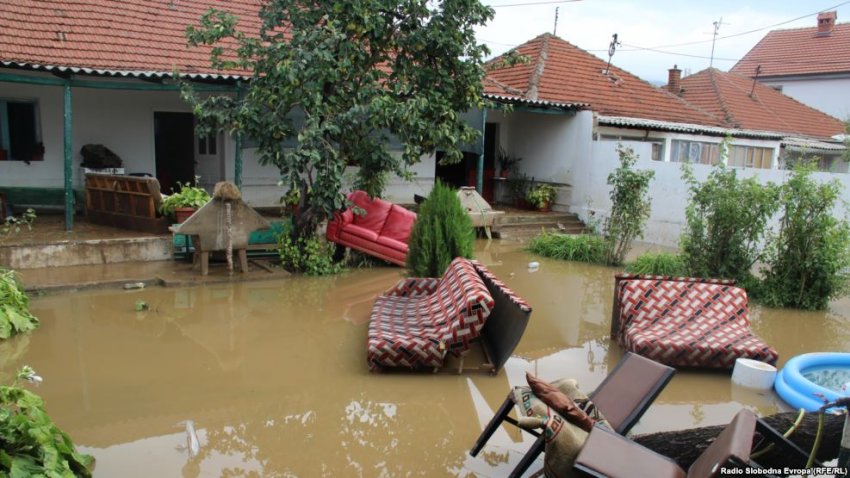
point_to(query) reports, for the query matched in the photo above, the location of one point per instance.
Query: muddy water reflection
(274, 378)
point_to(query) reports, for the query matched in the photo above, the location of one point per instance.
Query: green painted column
(479, 180)
(237, 163)
(69, 173)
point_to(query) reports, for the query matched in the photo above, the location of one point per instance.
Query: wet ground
(273, 377)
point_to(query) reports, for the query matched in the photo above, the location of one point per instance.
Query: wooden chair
(623, 397)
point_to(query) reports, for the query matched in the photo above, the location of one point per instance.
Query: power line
(525, 4)
(640, 48)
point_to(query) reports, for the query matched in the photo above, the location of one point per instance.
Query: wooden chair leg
(494, 424)
(529, 457)
(243, 260)
(205, 263)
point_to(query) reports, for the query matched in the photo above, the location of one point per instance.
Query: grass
(580, 248)
(658, 264)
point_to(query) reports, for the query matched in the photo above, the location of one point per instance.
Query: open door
(174, 152)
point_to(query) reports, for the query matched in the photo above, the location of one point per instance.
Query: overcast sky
(659, 25)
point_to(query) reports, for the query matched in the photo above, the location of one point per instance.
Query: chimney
(826, 22)
(674, 80)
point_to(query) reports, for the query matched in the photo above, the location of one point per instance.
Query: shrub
(13, 224)
(32, 445)
(809, 258)
(541, 195)
(188, 196)
(726, 220)
(307, 254)
(443, 231)
(657, 264)
(15, 316)
(630, 206)
(580, 247)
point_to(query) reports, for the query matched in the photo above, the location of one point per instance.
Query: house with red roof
(810, 64)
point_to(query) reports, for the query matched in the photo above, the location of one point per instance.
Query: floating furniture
(225, 222)
(127, 202)
(481, 213)
(685, 322)
(801, 392)
(382, 230)
(607, 454)
(417, 323)
(623, 397)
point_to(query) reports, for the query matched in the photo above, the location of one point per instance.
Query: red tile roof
(799, 51)
(727, 96)
(561, 72)
(123, 36)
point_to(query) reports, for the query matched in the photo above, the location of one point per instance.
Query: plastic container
(753, 374)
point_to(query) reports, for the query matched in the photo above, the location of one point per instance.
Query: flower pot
(545, 207)
(504, 173)
(183, 213)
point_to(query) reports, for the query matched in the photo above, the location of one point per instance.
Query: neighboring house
(744, 103)
(809, 64)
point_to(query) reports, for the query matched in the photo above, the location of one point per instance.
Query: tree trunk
(684, 446)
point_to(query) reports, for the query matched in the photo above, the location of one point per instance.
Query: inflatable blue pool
(798, 391)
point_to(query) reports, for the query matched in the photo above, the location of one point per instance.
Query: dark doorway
(465, 173)
(174, 143)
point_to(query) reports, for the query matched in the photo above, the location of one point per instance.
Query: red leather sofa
(381, 232)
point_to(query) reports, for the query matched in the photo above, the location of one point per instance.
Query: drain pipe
(844, 452)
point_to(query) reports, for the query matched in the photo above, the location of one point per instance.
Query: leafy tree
(725, 223)
(630, 206)
(341, 77)
(809, 258)
(443, 231)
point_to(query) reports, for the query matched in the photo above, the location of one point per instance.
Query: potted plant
(507, 162)
(541, 196)
(518, 189)
(185, 202)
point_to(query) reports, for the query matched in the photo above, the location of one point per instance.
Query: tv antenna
(555, 30)
(714, 39)
(612, 48)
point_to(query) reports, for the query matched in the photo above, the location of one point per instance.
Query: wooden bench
(129, 202)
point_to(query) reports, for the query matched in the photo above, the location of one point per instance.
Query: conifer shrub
(443, 231)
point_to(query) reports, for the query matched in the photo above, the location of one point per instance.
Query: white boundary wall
(668, 191)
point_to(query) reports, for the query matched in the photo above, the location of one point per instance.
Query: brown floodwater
(272, 376)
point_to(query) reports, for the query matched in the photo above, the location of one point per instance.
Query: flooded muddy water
(272, 376)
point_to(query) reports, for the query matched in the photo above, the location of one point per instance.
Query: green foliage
(726, 220)
(308, 255)
(630, 206)
(443, 231)
(142, 306)
(13, 224)
(30, 443)
(808, 260)
(15, 316)
(658, 264)
(580, 247)
(342, 78)
(518, 185)
(187, 196)
(541, 195)
(507, 162)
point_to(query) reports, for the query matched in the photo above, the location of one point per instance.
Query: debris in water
(192, 439)
(134, 285)
(533, 266)
(142, 306)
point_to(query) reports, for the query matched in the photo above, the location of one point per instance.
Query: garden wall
(668, 191)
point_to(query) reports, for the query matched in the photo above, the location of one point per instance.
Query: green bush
(630, 206)
(443, 231)
(188, 196)
(30, 443)
(580, 247)
(726, 220)
(15, 316)
(809, 258)
(657, 264)
(308, 255)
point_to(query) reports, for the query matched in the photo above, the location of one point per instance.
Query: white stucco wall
(830, 95)
(668, 192)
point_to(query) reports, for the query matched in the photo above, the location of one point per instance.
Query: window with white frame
(696, 152)
(208, 144)
(750, 157)
(20, 135)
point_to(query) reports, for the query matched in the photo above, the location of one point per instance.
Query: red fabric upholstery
(419, 321)
(687, 322)
(381, 232)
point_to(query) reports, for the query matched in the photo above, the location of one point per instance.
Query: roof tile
(798, 51)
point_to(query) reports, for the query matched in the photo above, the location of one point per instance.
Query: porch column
(479, 180)
(69, 173)
(237, 163)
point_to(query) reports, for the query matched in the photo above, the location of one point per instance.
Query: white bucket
(753, 374)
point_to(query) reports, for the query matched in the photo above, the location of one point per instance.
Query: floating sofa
(417, 323)
(382, 231)
(685, 322)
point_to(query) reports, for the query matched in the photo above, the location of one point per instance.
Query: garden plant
(443, 231)
(630, 206)
(15, 316)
